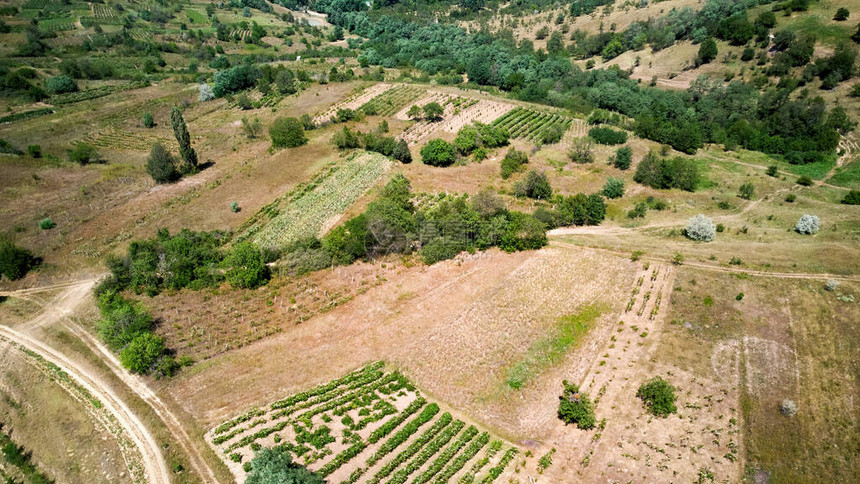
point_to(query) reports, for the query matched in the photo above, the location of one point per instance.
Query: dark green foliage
(84, 153)
(805, 181)
(235, 79)
(658, 396)
(160, 165)
(746, 191)
(623, 158)
(46, 223)
(479, 135)
(401, 152)
(246, 267)
(536, 186)
(147, 120)
(141, 354)
(841, 14)
(607, 136)
(438, 152)
(613, 188)
(187, 259)
(180, 131)
(287, 133)
(707, 51)
(852, 198)
(772, 170)
(35, 151)
(575, 407)
(433, 111)
(275, 466)
(15, 261)
(513, 161)
(15, 455)
(736, 29)
(61, 85)
(658, 172)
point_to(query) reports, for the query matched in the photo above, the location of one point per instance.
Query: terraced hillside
(371, 425)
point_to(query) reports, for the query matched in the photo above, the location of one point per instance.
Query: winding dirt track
(59, 309)
(153, 461)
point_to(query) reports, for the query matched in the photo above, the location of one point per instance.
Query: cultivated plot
(371, 425)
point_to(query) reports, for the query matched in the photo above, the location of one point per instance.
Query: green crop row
(392, 424)
(469, 477)
(447, 455)
(35, 113)
(463, 458)
(403, 474)
(496, 471)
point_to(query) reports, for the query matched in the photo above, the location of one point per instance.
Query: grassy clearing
(550, 350)
(786, 339)
(847, 176)
(816, 171)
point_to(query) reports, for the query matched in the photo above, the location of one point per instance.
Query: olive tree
(808, 224)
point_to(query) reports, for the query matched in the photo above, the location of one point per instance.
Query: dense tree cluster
(440, 229)
(186, 259)
(347, 139)
(658, 172)
(15, 261)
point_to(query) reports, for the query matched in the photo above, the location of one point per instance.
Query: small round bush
(831, 285)
(287, 133)
(46, 223)
(788, 407)
(438, 152)
(575, 407)
(613, 188)
(658, 396)
(205, 93)
(808, 224)
(148, 121)
(60, 85)
(701, 229)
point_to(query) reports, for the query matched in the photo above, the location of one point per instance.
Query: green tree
(160, 165)
(180, 131)
(287, 133)
(415, 112)
(438, 152)
(841, 14)
(575, 407)
(536, 185)
(658, 396)
(148, 122)
(623, 158)
(433, 111)
(246, 267)
(275, 466)
(84, 153)
(60, 85)
(746, 191)
(513, 162)
(401, 152)
(142, 353)
(707, 52)
(14, 261)
(613, 188)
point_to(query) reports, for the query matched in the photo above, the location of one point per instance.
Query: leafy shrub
(246, 267)
(788, 408)
(700, 229)
(244, 102)
(575, 407)
(805, 181)
(707, 51)
(536, 185)
(7, 147)
(252, 128)
(15, 262)
(401, 152)
(205, 93)
(46, 223)
(141, 354)
(433, 111)
(772, 170)
(607, 136)
(662, 173)
(84, 153)
(746, 191)
(161, 165)
(513, 162)
(790, 198)
(287, 133)
(234, 207)
(147, 120)
(275, 466)
(580, 152)
(613, 188)
(234, 79)
(61, 85)
(808, 224)
(551, 134)
(841, 14)
(658, 396)
(438, 152)
(852, 198)
(35, 151)
(623, 158)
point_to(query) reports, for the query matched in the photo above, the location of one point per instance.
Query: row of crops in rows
(35, 113)
(78, 96)
(306, 210)
(390, 101)
(529, 123)
(353, 102)
(101, 11)
(372, 426)
(120, 139)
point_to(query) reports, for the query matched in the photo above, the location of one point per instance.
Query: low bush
(623, 158)
(161, 165)
(513, 161)
(275, 466)
(15, 261)
(808, 224)
(147, 120)
(613, 188)
(746, 191)
(61, 85)
(438, 152)
(46, 223)
(35, 151)
(575, 407)
(607, 136)
(805, 181)
(536, 186)
(700, 229)
(84, 153)
(581, 151)
(852, 198)
(287, 133)
(658, 396)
